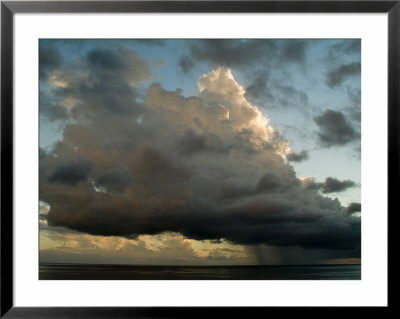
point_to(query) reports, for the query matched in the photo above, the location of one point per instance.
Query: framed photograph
(175, 158)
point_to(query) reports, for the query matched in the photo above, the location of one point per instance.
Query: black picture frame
(9, 8)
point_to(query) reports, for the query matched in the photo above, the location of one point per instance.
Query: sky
(200, 152)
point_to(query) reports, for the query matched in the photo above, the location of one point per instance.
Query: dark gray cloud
(333, 185)
(49, 60)
(51, 106)
(289, 96)
(275, 94)
(42, 154)
(293, 51)
(231, 53)
(167, 172)
(235, 53)
(297, 157)
(334, 129)
(348, 46)
(101, 82)
(354, 110)
(354, 208)
(71, 172)
(269, 183)
(259, 86)
(191, 143)
(354, 95)
(114, 180)
(342, 73)
(151, 42)
(105, 59)
(344, 48)
(186, 63)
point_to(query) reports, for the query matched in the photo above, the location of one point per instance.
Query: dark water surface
(128, 272)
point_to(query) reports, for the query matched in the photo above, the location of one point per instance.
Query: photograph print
(199, 159)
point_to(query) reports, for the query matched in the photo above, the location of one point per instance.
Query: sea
(49, 271)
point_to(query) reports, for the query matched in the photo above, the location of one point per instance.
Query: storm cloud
(186, 63)
(49, 59)
(354, 208)
(230, 53)
(334, 129)
(103, 81)
(347, 46)
(337, 76)
(71, 172)
(208, 166)
(297, 157)
(235, 53)
(275, 94)
(259, 86)
(333, 185)
(114, 180)
(293, 51)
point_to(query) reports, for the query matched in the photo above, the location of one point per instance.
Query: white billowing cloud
(220, 110)
(220, 87)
